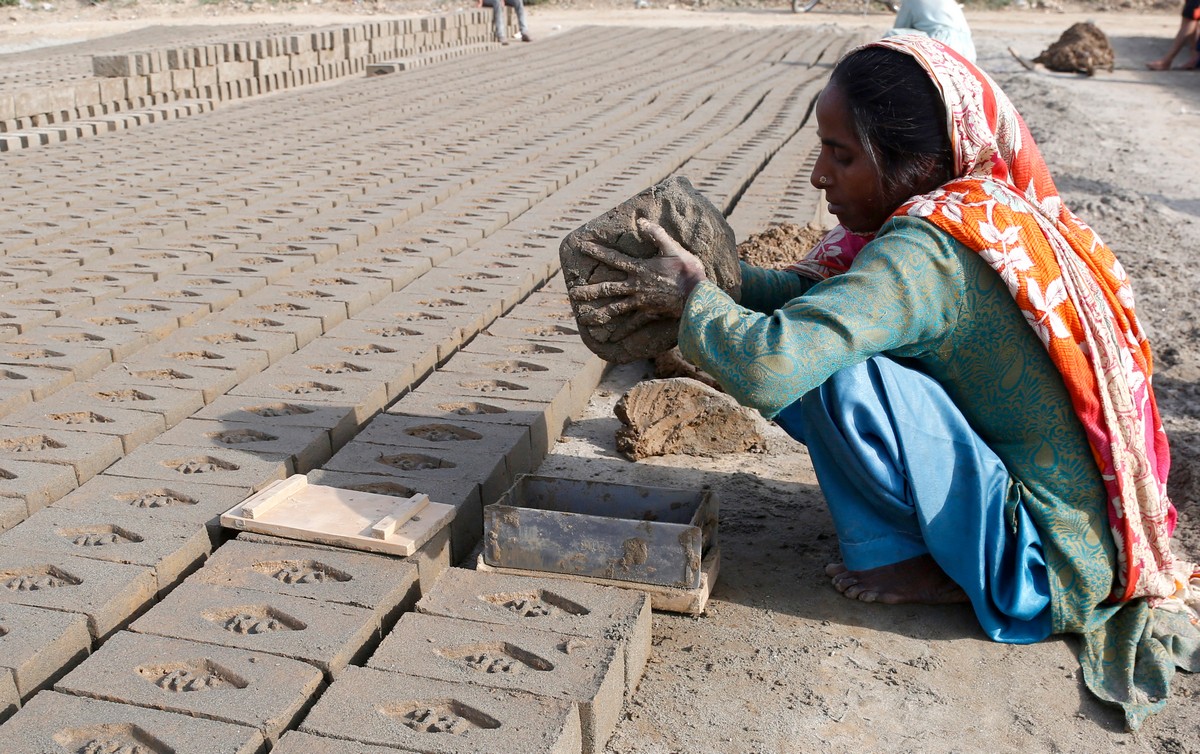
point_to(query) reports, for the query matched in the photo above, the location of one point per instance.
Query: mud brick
(377, 359)
(396, 245)
(485, 295)
(232, 339)
(12, 512)
(172, 289)
(390, 709)
(86, 454)
(398, 272)
(386, 585)
(109, 594)
(587, 672)
(280, 317)
(295, 742)
(227, 467)
(157, 262)
(242, 363)
(264, 414)
(462, 493)
(38, 381)
(271, 268)
(453, 326)
(76, 410)
(294, 383)
(37, 484)
(189, 502)
(52, 723)
(323, 634)
(210, 382)
(119, 343)
(553, 333)
(566, 607)
(170, 549)
(463, 437)
(538, 255)
(278, 301)
(159, 318)
(111, 388)
(38, 645)
(356, 292)
(422, 344)
(473, 266)
(9, 699)
(80, 361)
(204, 681)
(582, 369)
(430, 466)
(527, 396)
(304, 447)
(564, 355)
(532, 417)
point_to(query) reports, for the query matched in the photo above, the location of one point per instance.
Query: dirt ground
(781, 662)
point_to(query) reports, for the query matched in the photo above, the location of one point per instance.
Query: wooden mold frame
(295, 509)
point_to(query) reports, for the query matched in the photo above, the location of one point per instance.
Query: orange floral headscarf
(1072, 291)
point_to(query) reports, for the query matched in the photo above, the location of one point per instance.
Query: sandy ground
(781, 662)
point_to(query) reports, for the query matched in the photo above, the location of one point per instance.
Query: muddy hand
(652, 289)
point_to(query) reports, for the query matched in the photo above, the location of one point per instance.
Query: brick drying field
(236, 254)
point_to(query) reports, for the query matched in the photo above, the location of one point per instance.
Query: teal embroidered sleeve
(902, 292)
(767, 290)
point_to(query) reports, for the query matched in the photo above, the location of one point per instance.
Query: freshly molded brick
(52, 723)
(40, 645)
(169, 548)
(324, 634)
(265, 692)
(178, 463)
(109, 594)
(377, 582)
(565, 607)
(390, 709)
(589, 672)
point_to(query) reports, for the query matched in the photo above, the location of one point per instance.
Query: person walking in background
(1187, 36)
(497, 7)
(942, 20)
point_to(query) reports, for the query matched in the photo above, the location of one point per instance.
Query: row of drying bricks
(239, 422)
(134, 89)
(234, 660)
(124, 589)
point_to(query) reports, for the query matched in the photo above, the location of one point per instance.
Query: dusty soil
(781, 662)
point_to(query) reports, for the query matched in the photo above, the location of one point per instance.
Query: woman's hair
(899, 118)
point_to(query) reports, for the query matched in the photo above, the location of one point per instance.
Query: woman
(962, 358)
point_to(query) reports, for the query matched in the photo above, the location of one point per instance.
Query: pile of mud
(779, 245)
(1083, 48)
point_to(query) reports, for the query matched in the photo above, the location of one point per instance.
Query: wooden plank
(343, 518)
(273, 494)
(386, 526)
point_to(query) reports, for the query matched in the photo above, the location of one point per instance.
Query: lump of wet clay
(1083, 48)
(682, 416)
(690, 219)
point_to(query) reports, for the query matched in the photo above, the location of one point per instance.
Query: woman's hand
(654, 288)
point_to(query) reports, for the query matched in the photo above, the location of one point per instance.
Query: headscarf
(1071, 290)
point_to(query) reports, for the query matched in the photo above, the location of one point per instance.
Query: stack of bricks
(132, 89)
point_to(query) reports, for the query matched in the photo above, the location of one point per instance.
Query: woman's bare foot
(1159, 65)
(917, 579)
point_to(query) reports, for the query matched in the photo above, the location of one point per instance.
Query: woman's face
(852, 180)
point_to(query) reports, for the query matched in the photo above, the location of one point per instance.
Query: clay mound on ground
(682, 416)
(1083, 48)
(690, 219)
(779, 245)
